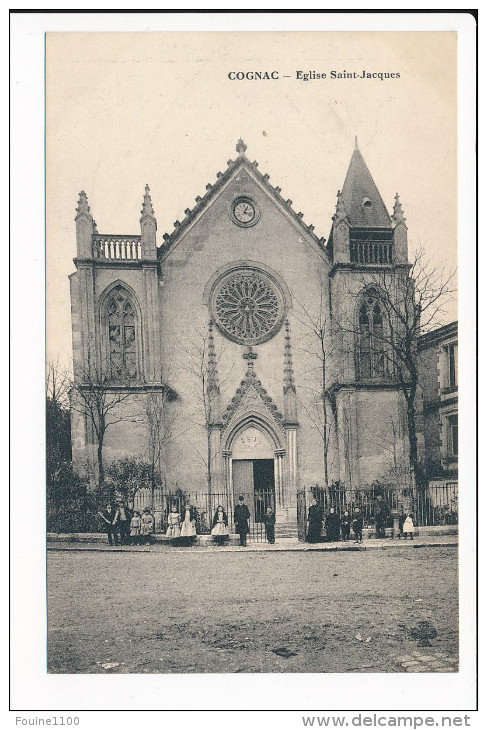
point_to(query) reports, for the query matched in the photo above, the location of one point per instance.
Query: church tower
(368, 251)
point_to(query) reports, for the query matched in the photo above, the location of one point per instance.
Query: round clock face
(244, 212)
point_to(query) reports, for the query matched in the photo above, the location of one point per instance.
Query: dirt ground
(172, 612)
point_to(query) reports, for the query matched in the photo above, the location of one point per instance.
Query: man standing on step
(241, 517)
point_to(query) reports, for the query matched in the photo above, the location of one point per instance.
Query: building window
(452, 355)
(453, 435)
(372, 361)
(121, 323)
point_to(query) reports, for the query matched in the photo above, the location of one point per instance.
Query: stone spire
(148, 227)
(340, 213)
(212, 387)
(400, 233)
(398, 215)
(241, 147)
(84, 228)
(289, 389)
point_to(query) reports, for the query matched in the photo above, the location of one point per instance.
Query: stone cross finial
(398, 214)
(250, 356)
(241, 146)
(147, 208)
(356, 142)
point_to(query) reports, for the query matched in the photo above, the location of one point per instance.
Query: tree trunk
(325, 423)
(101, 471)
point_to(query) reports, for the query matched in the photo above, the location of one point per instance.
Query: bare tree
(317, 324)
(58, 427)
(99, 398)
(200, 361)
(413, 301)
(160, 423)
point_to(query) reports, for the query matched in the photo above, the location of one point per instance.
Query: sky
(126, 109)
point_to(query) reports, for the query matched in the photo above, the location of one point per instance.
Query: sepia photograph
(252, 355)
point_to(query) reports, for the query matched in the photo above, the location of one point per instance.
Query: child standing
(135, 525)
(188, 526)
(357, 524)
(270, 525)
(173, 523)
(408, 526)
(147, 525)
(219, 528)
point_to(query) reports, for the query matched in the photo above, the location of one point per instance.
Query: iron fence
(434, 505)
(82, 514)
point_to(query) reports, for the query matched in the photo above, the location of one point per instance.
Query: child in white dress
(219, 528)
(147, 525)
(188, 526)
(135, 525)
(173, 523)
(408, 526)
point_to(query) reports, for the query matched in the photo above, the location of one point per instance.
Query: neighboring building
(438, 362)
(231, 316)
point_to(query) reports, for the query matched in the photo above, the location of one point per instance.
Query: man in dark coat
(381, 513)
(332, 526)
(315, 522)
(124, 515)
(109, 520)
(241, 517)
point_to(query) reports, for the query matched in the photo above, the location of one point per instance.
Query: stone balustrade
(116, 248)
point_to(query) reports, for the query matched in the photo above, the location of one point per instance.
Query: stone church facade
(243, 342)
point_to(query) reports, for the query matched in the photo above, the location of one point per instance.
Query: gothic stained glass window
(121, 336)
(372, 361)
(247, 307)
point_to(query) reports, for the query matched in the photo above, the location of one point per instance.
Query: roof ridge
(222, 177)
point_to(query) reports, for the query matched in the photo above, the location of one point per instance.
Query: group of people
(126, 526)
(340, 527)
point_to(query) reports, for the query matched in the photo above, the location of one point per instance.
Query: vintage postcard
(253, 361)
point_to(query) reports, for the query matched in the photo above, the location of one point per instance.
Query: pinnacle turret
(147, 208)
(340, 213)
(83, 207)
(398, 214)
(148, 227)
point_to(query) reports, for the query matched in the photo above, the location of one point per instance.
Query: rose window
(247, 307)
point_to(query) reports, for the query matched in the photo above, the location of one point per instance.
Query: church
(240, 351)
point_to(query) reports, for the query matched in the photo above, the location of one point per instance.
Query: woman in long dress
(173, 523)
(188, 525)
(219, 528)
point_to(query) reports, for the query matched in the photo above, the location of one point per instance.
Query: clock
(244, 212)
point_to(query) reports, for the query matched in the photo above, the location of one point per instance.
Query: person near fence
(109, 518)
(173, 523)
(345, 524)
(270, 525)
(188, 525)
(241, 517)
(219, 527)
(408, 526)
(315, 521)
(124, 515)
(147, 526)
(332, 526)
(381, 513)
(357, 524)
(135, 526)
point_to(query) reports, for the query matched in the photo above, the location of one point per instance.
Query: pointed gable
(213, 190)
(362, 200)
